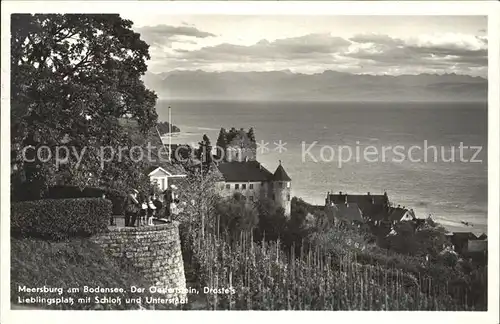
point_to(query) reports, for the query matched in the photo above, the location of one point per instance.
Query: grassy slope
(75, 263)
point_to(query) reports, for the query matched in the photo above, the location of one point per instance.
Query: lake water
(451, 185)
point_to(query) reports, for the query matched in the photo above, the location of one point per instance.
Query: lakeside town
(243, 174)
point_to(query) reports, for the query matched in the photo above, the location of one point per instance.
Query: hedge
(117, 197)
(59, 219)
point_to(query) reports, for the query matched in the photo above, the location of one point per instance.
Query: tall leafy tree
(199, 196)
(221, 143)
(72, 76)
(204, 153)
(251, 134)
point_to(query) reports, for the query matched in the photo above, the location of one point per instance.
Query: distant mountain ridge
(326, 86)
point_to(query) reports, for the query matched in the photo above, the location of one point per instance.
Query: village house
(398, 214)
(477, 246)
(348, 213)
(460, 240)
(374, 208)
(165, 175)
(241, 172)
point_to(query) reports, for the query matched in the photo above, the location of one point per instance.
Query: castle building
(242, 173)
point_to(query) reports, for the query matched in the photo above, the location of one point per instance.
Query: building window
(228, 186)
(288, 197)
(251, 198)
(274, 197)
(222, 186)
(250, 186)
(288, 184)
(163, 186)
(244, 186)
(281, 184)
(237, 186)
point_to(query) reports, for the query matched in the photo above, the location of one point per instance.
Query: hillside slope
(76, 263)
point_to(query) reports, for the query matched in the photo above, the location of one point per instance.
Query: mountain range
(325, 86)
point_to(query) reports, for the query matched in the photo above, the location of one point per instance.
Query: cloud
(303, 47)
(440, 50)
(165, 35)
(363, 53)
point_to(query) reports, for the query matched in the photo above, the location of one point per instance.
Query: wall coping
(145, 229)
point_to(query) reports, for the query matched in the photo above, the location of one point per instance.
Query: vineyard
(267, 278)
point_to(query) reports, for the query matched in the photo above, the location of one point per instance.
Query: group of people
(141, 210)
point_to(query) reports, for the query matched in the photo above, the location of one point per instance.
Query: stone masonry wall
(154, 250)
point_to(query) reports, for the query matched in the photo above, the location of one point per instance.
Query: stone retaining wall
(154, 250)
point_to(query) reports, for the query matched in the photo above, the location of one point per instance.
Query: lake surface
(387, 144)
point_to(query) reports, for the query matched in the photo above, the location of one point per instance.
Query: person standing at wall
(151, 210)
(158, 204)
(131, 208)
(168, 199)
(144, 210)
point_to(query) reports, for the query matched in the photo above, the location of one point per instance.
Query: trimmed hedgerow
(59, 219)
(117, 197)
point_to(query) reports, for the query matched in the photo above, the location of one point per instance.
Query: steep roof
(483, 237)
(464, 236)
(373, 206)
(244, 171)
(349, 212)
(280, 174)
(173, 169)
(395, 214)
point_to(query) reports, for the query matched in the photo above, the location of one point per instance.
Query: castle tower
(282, 187)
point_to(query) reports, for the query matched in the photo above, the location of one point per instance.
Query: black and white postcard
(167, 158)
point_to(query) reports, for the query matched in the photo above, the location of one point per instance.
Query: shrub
(272, 220)
(235, 215)
(60, 218)
(117, 197)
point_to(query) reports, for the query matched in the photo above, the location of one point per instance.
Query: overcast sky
(310, 44)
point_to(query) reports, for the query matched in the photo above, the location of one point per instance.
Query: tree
(199, 196)
(251, 134)
(221, 143)
(204, 153)
(165, 127)
(272, 220)
(234, 216)
(72, 77)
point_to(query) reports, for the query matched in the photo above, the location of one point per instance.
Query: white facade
(255, 190)
(252, 190)
(161, 177)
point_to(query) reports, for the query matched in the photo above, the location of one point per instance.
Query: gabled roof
(465, 235)
(349, 212)
(372, 206)
(154, 168)
(170, 168)
(244, 171)
(280, 174)
(395, 214)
